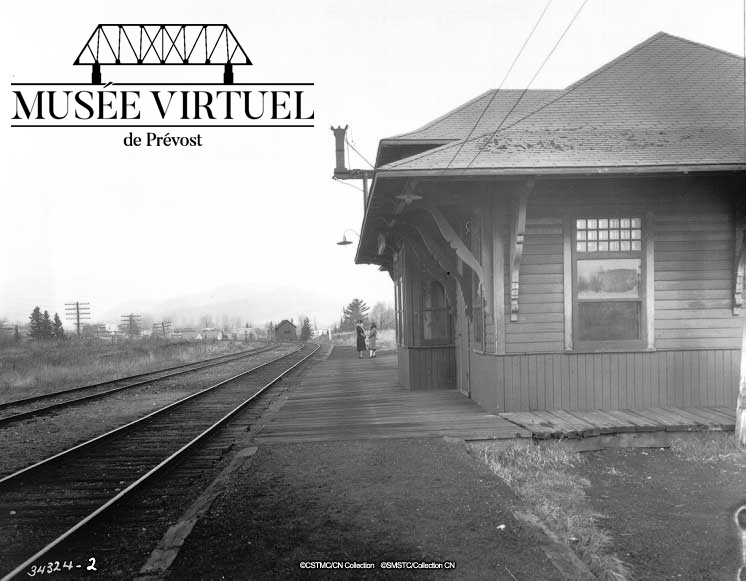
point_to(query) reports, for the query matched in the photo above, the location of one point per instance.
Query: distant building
(210, 334)
(240, 334)
(285, 331)
(186, 334)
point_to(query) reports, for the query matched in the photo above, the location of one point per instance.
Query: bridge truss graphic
(162, 44)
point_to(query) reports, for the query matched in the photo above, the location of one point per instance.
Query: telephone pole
(77, 312)
(130, 324)
(163, 327)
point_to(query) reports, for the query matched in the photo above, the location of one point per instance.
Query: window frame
(446, 337)
(590, 345)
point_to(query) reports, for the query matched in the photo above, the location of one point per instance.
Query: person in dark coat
(360, 330)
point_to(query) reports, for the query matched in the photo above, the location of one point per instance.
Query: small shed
(286, 331)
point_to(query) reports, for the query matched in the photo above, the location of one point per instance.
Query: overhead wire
(350, 142)
(481, 135)
(533, 78)
(339, 181)
(360, 154)
(505, 77)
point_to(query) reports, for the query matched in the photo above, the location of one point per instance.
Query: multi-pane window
(608, 235)
(608, 289)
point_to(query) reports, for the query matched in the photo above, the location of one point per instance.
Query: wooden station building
(286, 331)
(573, 249)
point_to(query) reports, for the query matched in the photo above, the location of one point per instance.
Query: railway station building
(286, 331)
(573, 249)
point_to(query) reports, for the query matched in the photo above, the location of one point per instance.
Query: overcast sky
(254, 211)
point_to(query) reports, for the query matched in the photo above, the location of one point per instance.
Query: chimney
(340, 134)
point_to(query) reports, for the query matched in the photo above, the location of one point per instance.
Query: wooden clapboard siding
(487, 393)
(426, 368)
(693, 276)
(586, 381)
(540, 325)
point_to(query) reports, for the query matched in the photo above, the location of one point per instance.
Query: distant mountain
(228, 304)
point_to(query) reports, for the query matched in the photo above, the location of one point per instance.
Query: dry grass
(542, 476)
(32, 368)
(709, 448)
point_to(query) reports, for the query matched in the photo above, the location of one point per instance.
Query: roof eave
(537, 171)
(563, 171)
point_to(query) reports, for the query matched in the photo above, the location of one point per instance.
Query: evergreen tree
(57, 330)
(36, 325)
(305, 330)
(353, 312)
(46, 325)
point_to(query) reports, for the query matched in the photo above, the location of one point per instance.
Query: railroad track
(22, 409)
(48, 503)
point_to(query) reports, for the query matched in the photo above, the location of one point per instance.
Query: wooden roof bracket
(517, 234)
(455, 242)
(445, 262)
(433, 268)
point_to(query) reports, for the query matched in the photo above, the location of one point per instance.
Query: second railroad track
(22, 409)
(47, 503)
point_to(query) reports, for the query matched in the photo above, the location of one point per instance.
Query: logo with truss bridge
(163, 44)
(216, 102)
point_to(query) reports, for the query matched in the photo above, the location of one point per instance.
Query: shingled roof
(666, 102)
(457, 124)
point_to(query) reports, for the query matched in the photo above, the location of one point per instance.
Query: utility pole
(163, 327)
(130, 324)
(77, 312)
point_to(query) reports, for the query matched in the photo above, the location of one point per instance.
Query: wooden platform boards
(348, 398)
(585, 424)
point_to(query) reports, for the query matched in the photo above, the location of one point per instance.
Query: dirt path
(669, 518)
(377, 500)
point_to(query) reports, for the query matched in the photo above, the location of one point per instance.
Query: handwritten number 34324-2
(54, 566)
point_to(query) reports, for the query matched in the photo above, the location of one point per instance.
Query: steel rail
(156, 469)
(193, 366)
(27, 400)
(23, 471)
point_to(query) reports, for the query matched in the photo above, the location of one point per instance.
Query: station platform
(346, 398)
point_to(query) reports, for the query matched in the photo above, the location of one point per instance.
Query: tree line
(43, 326)
(357, 309)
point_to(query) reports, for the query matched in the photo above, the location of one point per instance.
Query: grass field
(32, 368)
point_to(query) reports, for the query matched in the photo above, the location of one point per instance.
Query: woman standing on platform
(372, 334)
(360, 338)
